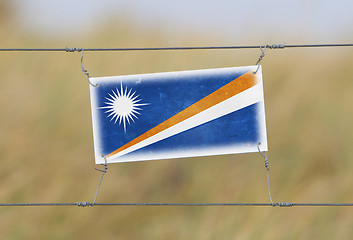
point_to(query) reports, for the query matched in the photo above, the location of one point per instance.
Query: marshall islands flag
(178, 114)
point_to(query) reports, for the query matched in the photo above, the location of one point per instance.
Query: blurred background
(46, 141)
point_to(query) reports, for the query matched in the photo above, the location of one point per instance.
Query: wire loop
(103, 172)
(260, 58)
(263, 154)
(84, 70)
(263, 48)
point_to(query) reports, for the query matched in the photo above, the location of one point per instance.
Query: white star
(123, 106)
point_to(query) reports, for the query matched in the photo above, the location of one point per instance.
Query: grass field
(46, 146)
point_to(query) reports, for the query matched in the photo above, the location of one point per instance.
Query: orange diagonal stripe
(236, 86)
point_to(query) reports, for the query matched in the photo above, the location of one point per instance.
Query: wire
(284, 204)
(273, 46)
(104, 171)
(263, 154)
(87, 204)
(35, 204)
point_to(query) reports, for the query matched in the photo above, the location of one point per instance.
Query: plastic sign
(178, 114)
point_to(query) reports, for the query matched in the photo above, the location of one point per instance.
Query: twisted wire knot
(283, 204)
(84, 204)
(263, 48)
(68, 49)
(85, 71)
(267, 164)
(276, 46)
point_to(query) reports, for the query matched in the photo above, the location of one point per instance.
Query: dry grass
(47, 148)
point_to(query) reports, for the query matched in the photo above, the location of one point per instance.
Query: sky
(237, 20)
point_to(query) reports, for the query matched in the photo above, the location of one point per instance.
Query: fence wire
(88, 204)
(268, 46)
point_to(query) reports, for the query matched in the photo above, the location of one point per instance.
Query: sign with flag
(178, 114)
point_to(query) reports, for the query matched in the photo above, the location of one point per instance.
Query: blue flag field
(178, 114)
